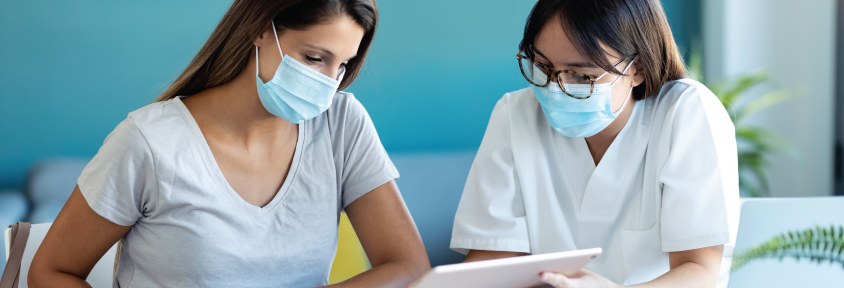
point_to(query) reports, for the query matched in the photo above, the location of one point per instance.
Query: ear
(638, 72)
(261, 39)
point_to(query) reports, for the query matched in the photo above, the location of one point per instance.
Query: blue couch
(431, 184)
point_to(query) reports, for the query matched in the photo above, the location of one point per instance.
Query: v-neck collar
(217, 173)
(597, 188)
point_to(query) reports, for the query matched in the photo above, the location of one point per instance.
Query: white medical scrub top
(668, 182)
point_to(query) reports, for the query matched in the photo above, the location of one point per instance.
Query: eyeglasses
(540, 75)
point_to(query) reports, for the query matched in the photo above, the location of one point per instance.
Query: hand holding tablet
(508, 272)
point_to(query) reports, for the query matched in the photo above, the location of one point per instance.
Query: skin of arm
(481, 255)
(390, 239)
(691, 268)
(76, 241)
(80, 237)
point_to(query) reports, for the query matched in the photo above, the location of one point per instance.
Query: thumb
(555, 279)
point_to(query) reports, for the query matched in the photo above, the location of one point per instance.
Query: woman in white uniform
(236, 176)
(609, 147)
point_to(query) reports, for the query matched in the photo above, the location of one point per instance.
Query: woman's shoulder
(686, 92)
(519, 103)
(345, 116)
(692, 101)
(522, 97)
(158, 123)
(345, 103)
(345, 112)
(157, 113)
(520, 106)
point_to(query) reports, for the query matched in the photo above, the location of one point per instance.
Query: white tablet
(508, 272)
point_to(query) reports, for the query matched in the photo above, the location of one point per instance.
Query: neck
(607, 135)
(234, 109)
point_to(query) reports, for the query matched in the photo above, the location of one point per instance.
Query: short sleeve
(366, 164)
(119, 183)
(700, 176)
(491, 214)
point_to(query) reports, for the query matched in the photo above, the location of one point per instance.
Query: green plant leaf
(764, 140)
(763, 102)
(695, 68)
(746, 186)
(757, 144)
(740, 85)
(817, 245)
(764, 186)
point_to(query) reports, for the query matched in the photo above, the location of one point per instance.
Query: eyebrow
(320, 49)
(575, 64)
(326, 51)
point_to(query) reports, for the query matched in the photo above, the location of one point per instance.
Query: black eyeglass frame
(549, 72)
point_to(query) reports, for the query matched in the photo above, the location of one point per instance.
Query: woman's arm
(390, 239)
(692, 268)
(76, 241)
(481, 255)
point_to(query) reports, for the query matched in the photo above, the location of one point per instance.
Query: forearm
(483, 255)
(689, 274)
(397, 273)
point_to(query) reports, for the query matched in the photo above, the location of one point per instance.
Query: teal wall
(70, 71)
(684, 16)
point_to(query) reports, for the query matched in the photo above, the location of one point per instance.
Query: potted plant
(756, 144)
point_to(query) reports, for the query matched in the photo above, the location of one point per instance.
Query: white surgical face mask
(572, 117)
(296, 92)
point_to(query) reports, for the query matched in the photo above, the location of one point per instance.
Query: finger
(555, 279)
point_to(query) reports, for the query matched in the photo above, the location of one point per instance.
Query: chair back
(101, 276)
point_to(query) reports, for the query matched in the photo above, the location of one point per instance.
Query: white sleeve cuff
(696, 242)
(463, 245)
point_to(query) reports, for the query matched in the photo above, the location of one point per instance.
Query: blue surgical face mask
(296, 93)
(572, 117)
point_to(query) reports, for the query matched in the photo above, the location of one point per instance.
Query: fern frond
(818, 245)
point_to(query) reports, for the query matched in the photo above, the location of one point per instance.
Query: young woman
(237, 174)
(610, 147)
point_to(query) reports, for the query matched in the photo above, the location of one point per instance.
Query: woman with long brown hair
(236, 176)
(610, 146)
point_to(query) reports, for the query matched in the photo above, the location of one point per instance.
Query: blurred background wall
(795, 42)
(70, 71)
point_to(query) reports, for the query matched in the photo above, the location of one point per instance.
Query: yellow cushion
(350, 259)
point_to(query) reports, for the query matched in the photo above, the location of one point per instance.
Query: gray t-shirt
(156, 173)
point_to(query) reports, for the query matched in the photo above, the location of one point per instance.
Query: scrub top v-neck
(668, 182)
(156, 173)
(596, 188)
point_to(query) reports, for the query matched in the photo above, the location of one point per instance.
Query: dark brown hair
(227, 51)
(630, 27)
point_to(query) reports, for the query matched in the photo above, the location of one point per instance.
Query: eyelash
(315, 60)
(312, 59)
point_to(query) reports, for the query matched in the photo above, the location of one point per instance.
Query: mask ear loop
(625, 70)
(623, 104)
(627, 99)
(257, 63)
(276, 40)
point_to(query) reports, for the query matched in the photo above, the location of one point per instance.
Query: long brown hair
(227, 51)
(630, 27)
